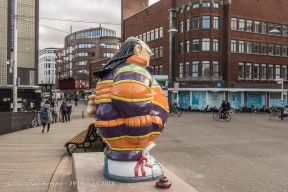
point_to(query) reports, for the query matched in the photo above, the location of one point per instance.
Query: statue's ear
(137, 50)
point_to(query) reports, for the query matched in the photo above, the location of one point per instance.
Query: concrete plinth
(88, 175)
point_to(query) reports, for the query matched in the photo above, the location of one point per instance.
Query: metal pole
(15, 58)
(282, 102)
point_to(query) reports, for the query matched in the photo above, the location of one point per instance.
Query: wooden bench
(89, 135)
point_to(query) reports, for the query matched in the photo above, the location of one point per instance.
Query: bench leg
(84, 147)
(68, 150)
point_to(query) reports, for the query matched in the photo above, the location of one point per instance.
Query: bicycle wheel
(231, 115)
(216, 116)
(273, 116)
(179, 113)
(227, 117)
(34, 123)
(39, 122)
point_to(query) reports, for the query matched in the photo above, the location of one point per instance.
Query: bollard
(82, 114)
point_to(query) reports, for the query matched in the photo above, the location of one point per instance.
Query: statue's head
(132, 46)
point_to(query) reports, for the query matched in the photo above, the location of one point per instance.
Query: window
(205, 68)
(160, 70)
(155, 70)
(215, 44)
(195, 5)
(277, 71)
(233, 45)
(205, 22)
(257, 47)
(161, 51)
(186, 69)
(216, 23)
(205, 44)
(195, 66)
(249, 25)
(144, 37)
(156, 34)
(249, 47)
(285, 72)
(271, 71)
(195, 23)
(195, 45)
(264, 48)
(181, 27)
(206, 4)
(181, 10)
(256, 71)
(285, 30)
(152, 35)
(160, 32)
(233, 23)
(148, 36)
(271, 49)
(264, 27)
(271, 26)
(278, 50)
(156, 52)
(257, 27)
(242, 24)
(153, 53)
(216, 5)
(249, 71)
(187, 8)
(279, 27)
(215, 68)
(241, 46)
(264, 71)
(187, 25)
(180, 70)
(285, 50)
(186, 46)
(180, 48)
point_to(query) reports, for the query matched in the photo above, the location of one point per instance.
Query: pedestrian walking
(76, 100)
(46, 115)
(69, 111)
(63, 110)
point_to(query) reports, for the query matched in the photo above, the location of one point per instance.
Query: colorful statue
(131, 112)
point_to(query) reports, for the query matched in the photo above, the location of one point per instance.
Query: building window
(180, 48)
(205, 69)
(277, 71)
(233, 45)
(187, 24)
(216, 5)
(271, 26)
(187, 8)
(148, 36)
(161, 51)
(249, 47)
(241, 70)
(264, 48)
(205, 44)
(186, 69)
(206, 4)
(264, 27)
(144, 37)
(156, 34)
(264, 71)
(249, 71)
(271, 71)
(278, 50)
(285, 30)
(285, 50)
(152, 37)
(256, 71)
(186, 46)
(279, 27)
(195, 66)
(160, 70)
(257, 47)
(241, 46)
(181, 27)
(242, 24)
(205, 22)
(257, 27)
(156, 52)
(153, 53)
(215, 68)
(155, 70)
(271, 49)
(215, 44)
(249, 26)
(180, 70)
(216, 23)
(195, 5)
(233, 23)
(160, 32)
(195, 23)
(285, 72)
(195, 45)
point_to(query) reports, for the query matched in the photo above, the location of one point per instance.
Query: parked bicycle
(225, 116)
(37, 120)
(172, 112)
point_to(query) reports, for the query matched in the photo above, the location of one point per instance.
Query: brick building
(72, 61)
(223, 49)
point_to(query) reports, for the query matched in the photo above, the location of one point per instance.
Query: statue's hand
(91, 109)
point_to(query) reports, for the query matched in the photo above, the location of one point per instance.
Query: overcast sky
(98, 11)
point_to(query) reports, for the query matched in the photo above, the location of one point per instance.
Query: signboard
(219, 85)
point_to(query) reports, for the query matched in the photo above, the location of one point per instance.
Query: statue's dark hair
(125, 51)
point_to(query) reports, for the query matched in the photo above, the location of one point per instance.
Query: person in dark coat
(63, 110)
(223, 108)
(69, 111)
(47, 106)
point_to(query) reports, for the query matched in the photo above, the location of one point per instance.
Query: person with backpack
(46, 115)
(63, 110)
(69, 111)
